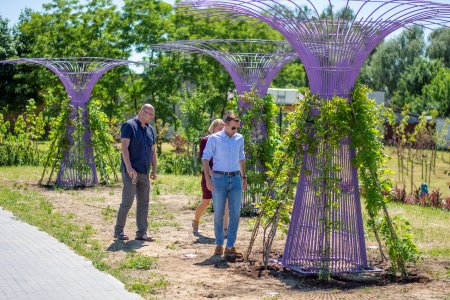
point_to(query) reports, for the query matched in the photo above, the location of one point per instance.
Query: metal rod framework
(252, 64)
(333, 47)
(79, 76)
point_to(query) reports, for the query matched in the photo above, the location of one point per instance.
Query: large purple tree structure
(79, 76)
(333, 47)
(251, 64)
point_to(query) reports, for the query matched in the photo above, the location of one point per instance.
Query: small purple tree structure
(79, 76)
(333, 48)
(251, 64)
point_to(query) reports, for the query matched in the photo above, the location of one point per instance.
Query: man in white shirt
(227, 179)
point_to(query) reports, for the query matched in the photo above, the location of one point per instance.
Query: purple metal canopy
(252, 64)
(333, 49)
(79, 76)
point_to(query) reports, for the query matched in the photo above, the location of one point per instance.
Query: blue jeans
(226, 187)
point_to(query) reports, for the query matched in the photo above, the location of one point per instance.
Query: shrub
(176, 164)
(435, 198)
(398, 194)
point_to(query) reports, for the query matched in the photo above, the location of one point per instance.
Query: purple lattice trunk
(78, 152)
(324, 237)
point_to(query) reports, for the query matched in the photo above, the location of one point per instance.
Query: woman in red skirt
(216, 126)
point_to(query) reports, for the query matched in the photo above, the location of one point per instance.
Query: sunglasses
(234, 128)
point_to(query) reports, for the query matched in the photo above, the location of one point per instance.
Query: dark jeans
(142, 191)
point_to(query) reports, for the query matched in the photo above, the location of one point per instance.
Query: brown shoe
(219, 250)
(232, 253)
(195, 226)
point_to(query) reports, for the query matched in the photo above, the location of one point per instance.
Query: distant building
(284, 98)
(379, 97)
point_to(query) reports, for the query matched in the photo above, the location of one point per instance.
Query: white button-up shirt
(227, 151)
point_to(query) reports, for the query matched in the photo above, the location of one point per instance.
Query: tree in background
(194, 118)
(8, 48)
(436, 94)
(439, 47)
(410, 83)
(293, 75)
(390, 59)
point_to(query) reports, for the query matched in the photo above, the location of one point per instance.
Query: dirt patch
(187, 260)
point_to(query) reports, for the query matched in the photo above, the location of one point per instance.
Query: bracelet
(244, 177)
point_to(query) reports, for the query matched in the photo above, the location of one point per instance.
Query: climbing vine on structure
(370, 160)
(261, 137)
(319, 126)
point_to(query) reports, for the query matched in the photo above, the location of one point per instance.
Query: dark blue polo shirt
(141, 141)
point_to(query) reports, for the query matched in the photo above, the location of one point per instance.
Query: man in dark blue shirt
(138, 153)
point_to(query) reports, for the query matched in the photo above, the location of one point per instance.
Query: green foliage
(370, 159)
(401, 249)
(19, 147)
(195, 119)
(325, 124)
(261, 137)
(107, 156)
(145, 22)
(139, 262)
(175, 164)
(436, 94)
(76, 152)
(59, 141)
(439, 47)
(390, 59)
(293, 75)
(282, 163)
(161, 130)
(411, 82)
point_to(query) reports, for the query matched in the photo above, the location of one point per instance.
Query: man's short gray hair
(147, 106)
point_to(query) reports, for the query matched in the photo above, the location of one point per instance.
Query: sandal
(147, 238)
(121, 236)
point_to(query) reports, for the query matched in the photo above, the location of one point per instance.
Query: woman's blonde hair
(214, 124)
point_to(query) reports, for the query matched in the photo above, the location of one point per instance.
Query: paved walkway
(34, 265)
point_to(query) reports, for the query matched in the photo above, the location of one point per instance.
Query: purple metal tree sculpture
(333, 48)
(79, 76)
(252, 64)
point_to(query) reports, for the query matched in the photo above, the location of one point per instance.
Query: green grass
(108, 213)
(154, 284)
(139, 262)
(430, 227)
(19, 173)
(36, 210)
(178, 184)
(161, 217)
(173, 246)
